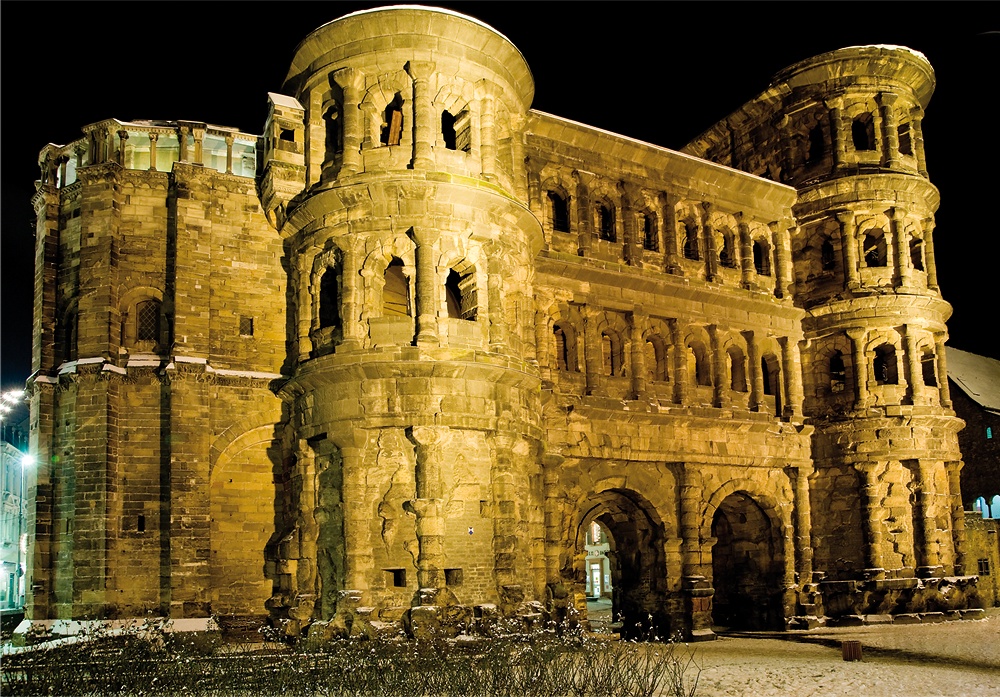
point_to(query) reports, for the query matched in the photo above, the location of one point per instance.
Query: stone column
(305, 582)
(898, 215)
(788, 163)
(930, 265)
(423, 116)
(554, 528)
(711, 254)
(229, 154)
(153, 137)
(544, 349)
(122, 139)
(928, 555)
(351, 82)
(505, 537)
(917, 133)
(746, 253)
(668, 223)
(858, 335)
(487, 129)
(426, 285)
(697, 588)
(803, 522)
(721, 390)
(517, 156)
(358, 513)
(914, 375)
(593, 353)
(307, 310)
(782, 257)
(850, 247)
(838, 145)
(494, 302)
(582, 211)
(680, 367)
(792, 372)
(632, 248)
(942, 370)
(890, 134)
(954, 469)
(350, 276)
(640, 371)
(430, 521)
(198, 136)
(182, 139)
(871, 513)
(756, 375)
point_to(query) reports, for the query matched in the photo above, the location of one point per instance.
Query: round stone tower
(394, 174)
(886, 496)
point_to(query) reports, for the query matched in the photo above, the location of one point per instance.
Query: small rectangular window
(984, 567)
(140, 524)
(989, 432)
(453, 577)
(246, 326)
(398, 577)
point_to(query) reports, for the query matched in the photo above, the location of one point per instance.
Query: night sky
(661, 72)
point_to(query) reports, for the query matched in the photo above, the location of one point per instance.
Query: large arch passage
(746, 567)
(638, 568)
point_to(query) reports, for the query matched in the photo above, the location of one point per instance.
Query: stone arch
(658, 350)
(735, 346)
(605, 214)
(773, 373)
(698, 343)
(373, 271)
(452, 102)
(396, 89)
(567, 335)
(885, 355)
(464, 285)
(648, 229)
(556, 205)
(748, 556)
(638, 563)
(143, 326)
(614, 344)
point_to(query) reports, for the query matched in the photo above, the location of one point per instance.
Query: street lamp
(27, 460)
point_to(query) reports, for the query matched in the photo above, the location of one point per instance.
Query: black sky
(658, 71)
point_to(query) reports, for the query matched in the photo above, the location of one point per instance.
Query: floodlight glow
(28, 460)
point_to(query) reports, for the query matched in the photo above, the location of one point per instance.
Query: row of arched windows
(884, 367)
(604, 221)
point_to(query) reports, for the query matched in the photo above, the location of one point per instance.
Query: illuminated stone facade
(387, 363)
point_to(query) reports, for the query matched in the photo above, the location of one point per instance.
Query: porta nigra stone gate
(388, 363)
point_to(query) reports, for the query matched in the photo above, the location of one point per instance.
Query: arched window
(828, 260)
(611, 349)
(885, 366)
(981, 507)
(737, 369)
(565, 348)
(770, 368)
(905, 140)
(727, 255)
(928, 367)
(69, 337)
(147, 321)
(606, 222)
(691, 242)
(329, 298)
(392, 129)
(817, 145)
(560, 212)
(863, 132)
(917, 253)
(650, 240)
(396, 291)
(334, 132)
(448, 130)
(701, 369)
(838, 373)
(460, 292)
(761, 258)
(875, 249)
(656, 359)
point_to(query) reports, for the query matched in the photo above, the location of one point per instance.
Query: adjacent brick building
(389, 361)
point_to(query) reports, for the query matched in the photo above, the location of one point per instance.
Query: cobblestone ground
(948, 659)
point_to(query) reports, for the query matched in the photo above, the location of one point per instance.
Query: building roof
(977, 376)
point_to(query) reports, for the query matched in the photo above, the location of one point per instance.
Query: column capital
(834, 102)
(856, 333)
(583, 177)
(887, 99)
(845, 217)
(420, 70)
(349, 78)
(897, 213)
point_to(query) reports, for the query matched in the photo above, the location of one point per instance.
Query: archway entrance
(746, 570)
(636, 566)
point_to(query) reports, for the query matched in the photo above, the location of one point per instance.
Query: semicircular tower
(393, 173)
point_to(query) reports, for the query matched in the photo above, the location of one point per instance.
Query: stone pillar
(792, 372)
(838, 143)
(788, 160)
(721, 389)
(352, 300)
(182, 140)
(592, 351)
(582, 211)
(957, 511)
(430, 523)
(756, 375)
(917, 133)
(640, 371)
(680, 367)
(517, 156)
(153, 137)
(545, 348)
(914, 375)
(782, 257)
(711, 254)
(551, 464)
(746, 253)
(198, 136)
(632, 248)
(697, 588)
(803, 522)
(229, 154)
(351, 82)
(505, 537)
(930, 265)
(487, 129)
(850, 247)
(122, 139)
(423, 116)
(358, 513)
(871, 514)
(858, 335)
(890, 134)
(903, 274)
(668, 223)
(942, 370)
(494, 302)
(426, 285)
(928, 554)
(305, 584)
